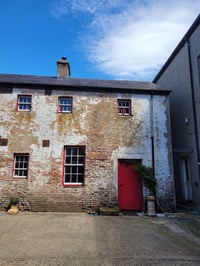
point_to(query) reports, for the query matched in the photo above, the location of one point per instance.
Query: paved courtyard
(82, 239)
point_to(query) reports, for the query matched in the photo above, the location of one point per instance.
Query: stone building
(70, 144)
(181, 74)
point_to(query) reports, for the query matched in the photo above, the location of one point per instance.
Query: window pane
(80, 169)
(120, 111)
(67, 169)
(80, 178)
(16, 172)
(67, 178)
(127, 111)
(74, 169)
(25, 173)
(73, 179)
(68, 160)
(68, 151)
(61, 101)
(74, 151)
(80, 160)
(74, 160)
(81, 151)
(69, 101)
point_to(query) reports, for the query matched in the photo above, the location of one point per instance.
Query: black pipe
(152, 149)
(194, 106)
(152, 135)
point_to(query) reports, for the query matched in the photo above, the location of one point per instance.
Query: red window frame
(123, 113)
(25, 103)
(19, 168)
(67, 184)
(60, 105)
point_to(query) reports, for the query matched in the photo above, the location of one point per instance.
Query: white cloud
(135, 40)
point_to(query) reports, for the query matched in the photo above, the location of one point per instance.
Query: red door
(129, 187)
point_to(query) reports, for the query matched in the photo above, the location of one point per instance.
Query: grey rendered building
(181, 74)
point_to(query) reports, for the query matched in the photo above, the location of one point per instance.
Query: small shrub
(148, 177)
(14, 201)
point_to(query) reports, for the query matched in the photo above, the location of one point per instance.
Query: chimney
(63, 68)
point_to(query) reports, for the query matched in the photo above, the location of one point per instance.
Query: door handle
(121, 185)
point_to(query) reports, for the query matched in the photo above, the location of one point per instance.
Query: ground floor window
(74, 164)
(20, 166)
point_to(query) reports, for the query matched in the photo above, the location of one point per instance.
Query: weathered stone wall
(94, 123)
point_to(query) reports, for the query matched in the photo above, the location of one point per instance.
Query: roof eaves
(87, 88)
(79, 84)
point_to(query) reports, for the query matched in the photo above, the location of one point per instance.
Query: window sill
(124, 115)
(19, 178)
(64, 112)
(73, 185)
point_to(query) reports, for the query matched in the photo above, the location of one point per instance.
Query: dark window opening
(74, 158)
(65, 104)
(24, 103)
(21, 162)
(124, 107)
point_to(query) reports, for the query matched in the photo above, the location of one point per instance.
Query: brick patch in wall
(3, 142)
(45, 143)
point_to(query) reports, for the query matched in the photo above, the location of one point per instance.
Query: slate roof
(13, 80)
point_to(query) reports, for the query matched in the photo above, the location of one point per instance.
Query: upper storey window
(65, 104)
(124, 107)
(24, 103)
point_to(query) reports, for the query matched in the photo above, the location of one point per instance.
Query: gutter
(152, 133)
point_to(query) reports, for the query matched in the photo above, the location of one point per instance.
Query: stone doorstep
(108, 211)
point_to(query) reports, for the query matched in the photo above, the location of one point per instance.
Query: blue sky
(113, 39)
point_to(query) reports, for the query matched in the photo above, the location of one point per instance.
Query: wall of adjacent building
(93, 123)
(176, 77)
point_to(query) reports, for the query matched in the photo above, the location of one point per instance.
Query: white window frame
(24, 103)
(124, 105)
(65, 105)
(73, 165)
(20, 165)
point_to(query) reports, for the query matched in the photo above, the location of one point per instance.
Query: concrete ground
(82, 239)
